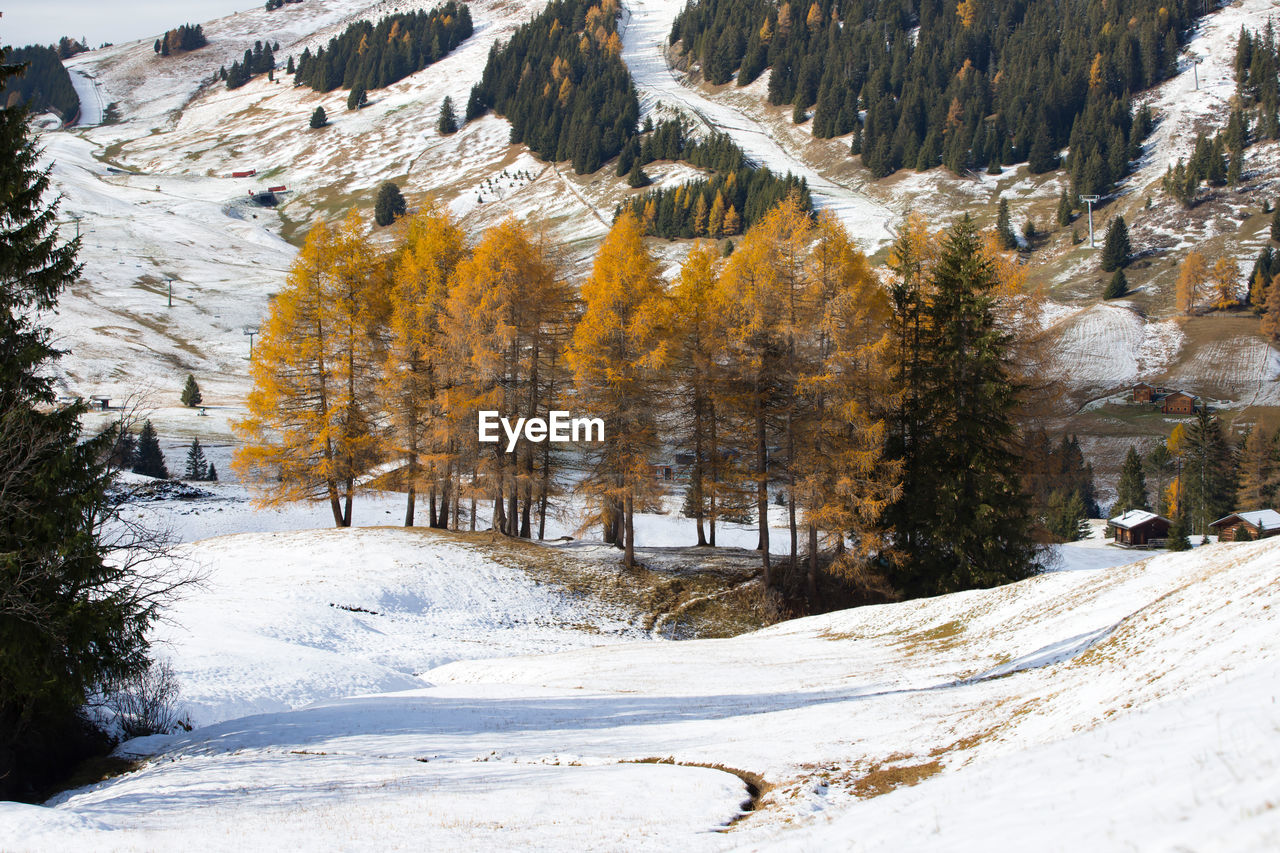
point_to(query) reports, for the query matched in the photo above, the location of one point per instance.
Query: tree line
(886, 418)
(43, 84)
(561, 82)
(261, 59)
(369, 56)
(968, 85)
(183, 38)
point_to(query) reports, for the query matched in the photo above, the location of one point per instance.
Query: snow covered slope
(1101, 708)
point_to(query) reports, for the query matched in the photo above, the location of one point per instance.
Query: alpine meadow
(640, 425)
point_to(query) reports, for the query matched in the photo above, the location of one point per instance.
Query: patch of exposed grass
(882, 780)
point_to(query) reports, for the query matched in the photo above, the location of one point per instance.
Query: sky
(45, 21)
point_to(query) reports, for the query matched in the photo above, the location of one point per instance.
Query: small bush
(147, 704)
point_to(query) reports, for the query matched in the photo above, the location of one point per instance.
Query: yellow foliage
(1224, 280)
(308, 429)
(967, 11)
(1191, 279)
(1095, 72)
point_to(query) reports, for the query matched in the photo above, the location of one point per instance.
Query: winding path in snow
(646, 26)
(91, 106)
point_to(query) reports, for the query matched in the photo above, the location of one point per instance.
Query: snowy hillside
(1098, 707)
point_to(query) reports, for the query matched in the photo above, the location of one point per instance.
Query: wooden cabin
(1260, 524)
(1179, 403)
(1138, 528)
(1143, 393)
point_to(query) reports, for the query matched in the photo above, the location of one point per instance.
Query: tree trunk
(630, 558)
(713, 506)
(346, 509)
(813, 569)
(432, 517)
(695, 485)
(762, 493)
(335, 502)
(408, 508)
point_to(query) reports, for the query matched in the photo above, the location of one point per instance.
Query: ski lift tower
(1090, 200)
(169, 282)
(251, 331)
(1195, 69)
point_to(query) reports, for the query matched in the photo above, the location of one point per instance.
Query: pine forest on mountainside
(970, 86)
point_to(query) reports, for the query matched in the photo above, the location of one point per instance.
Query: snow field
(1057, 678)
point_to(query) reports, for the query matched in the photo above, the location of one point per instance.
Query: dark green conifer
(1116, 250)
(191, 392)
(197, 467)
(448, 121)
(318, 118)
(389, 205)
(1131, 492)
(150, 459)
(962, 521)
(1004, 229)
(1118, 286)
(69, 624)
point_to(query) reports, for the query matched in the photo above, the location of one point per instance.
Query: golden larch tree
(310, 432)
(1191, 280)
(617, 353)
(413, 372)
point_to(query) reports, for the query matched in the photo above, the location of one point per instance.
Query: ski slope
(645, 27)
(1107, 706)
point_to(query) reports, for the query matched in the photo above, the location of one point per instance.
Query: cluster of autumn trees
(1202, 287)
(1198, 475)
(884, 414)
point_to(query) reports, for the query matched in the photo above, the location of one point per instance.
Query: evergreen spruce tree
(448, 121)
(1132, 489)
(357, 98)
(197, 467)
(1064, 208)
(1004, 229)
(1178, 536)
(1118, 286)
(318, 118)
(1116, 250)
(191, 393)
(150, 459)
(390, 204)
(1275, 225)
(212, 476)
(1208, 483)
(963, 521)
(70, 624)
(636, 177)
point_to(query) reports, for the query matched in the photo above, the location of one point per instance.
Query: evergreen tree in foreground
(1116, 250)
(1132, 490)
(197, 467)
(319, 119)
(963, 521)
(390, 204)
(150, 459)
(70, 624)
(191, 393)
